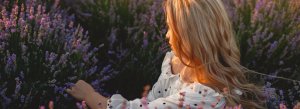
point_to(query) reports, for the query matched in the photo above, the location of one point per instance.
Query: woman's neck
(186, 75)
(184, 71)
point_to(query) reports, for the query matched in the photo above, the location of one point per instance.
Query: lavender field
(47, 45)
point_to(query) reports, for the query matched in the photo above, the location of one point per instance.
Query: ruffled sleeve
(195, 96)
(166, 69)
(158, 89)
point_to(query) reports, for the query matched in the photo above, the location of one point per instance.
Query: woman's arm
(83, 91)
(96, 101)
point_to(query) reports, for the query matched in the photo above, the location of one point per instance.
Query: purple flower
(18, 85)
(112, 38)
(5, 100)
(52, 57)
(95, 82)
(22, 98)
(145, 40)
(11, 59)
(259, 4)
(273, 47)
(10, 63)
(95, 60)
(106, 68)
(42, 49)
(63, 59)
(105, 78)
(79, 106)
(92, 71)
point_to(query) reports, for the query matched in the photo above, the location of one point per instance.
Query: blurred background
(118, 47)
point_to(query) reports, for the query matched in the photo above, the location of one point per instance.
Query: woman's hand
(81, 90)
(84, 91)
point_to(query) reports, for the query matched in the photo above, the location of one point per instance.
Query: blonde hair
(203, 35)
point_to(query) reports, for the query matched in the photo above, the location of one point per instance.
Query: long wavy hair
(203, 39)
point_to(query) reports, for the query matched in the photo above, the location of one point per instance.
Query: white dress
(170, 92)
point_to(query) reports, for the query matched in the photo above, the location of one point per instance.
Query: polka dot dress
(170, 92)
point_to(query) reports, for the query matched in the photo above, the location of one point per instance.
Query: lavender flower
(268, 31)
(43, 52)
(10, 65)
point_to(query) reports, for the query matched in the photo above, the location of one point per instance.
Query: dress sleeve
(158, 89)
(166, 71)
(193, 97)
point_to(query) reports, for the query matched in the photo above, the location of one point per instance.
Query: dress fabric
(170, 92)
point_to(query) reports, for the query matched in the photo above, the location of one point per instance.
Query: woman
(202, 71)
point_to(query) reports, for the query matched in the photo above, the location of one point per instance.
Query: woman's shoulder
(166, 69)
(167, 60)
